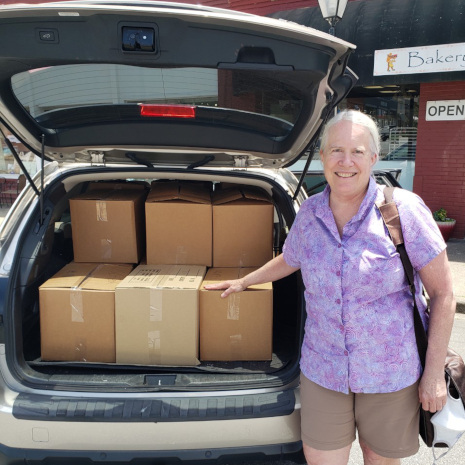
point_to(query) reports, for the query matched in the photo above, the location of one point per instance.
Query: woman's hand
(433, 392)
(235, 285)
(275, 269)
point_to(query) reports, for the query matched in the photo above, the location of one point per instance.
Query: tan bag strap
(390, 214)
(391, 218)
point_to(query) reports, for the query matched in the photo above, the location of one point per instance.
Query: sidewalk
(455, 251)
(456, 254)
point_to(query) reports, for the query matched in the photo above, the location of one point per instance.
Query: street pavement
(456, 254)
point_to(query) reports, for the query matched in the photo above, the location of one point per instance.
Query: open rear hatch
(115, 84)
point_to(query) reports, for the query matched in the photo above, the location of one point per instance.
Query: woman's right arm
(273, 270)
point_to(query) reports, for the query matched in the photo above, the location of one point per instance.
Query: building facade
(410, 60)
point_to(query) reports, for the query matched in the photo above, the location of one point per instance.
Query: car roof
(101, 79)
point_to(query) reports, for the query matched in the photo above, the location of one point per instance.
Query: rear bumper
(62, 435)
(122, 441)
(290, 452)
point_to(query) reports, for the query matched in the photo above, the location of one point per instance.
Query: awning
(391, 24)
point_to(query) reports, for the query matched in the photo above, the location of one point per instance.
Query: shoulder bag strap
(391, 218)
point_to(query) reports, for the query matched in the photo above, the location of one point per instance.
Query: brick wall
(440, 157)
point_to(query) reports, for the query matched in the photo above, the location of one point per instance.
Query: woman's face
(347, 159)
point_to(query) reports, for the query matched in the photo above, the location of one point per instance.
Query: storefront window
(395, 109)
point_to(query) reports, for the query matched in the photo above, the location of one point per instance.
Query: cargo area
(109, 284)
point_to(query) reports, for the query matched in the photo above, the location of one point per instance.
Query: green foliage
(441, 215)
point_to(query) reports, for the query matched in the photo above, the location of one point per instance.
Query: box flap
(69, 276)
(143, 276)
(183, 277)
(105, 277)
(166, 191)
(218, 275)
(232, 194)
(93, 276)
(165, 277)
(109, 195)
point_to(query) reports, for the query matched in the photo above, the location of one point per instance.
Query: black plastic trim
(291, 452)
(96, 409)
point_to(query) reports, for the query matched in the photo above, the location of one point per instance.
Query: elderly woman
(360, 366)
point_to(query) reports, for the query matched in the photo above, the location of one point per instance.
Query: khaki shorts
(387, 423)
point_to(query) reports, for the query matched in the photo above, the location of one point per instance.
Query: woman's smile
(345, 175)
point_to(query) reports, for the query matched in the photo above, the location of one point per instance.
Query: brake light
(167, 111)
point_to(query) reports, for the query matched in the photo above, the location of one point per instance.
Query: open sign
(445, 110)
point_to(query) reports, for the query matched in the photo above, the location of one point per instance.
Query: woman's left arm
(437, 279)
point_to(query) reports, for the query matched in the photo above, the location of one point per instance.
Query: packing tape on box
(154, 340)
(235, 345)
(181, 254)
(80, 347)
(243, 259)
(234, 302)
(156, 306)
(106, 250)
(75, 298)
(77, 309)
(101, 207)
(154, 347)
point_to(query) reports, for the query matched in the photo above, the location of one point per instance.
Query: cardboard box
(242, 228)
(238, 327)
(157, 315)
(77, 312)
(179, 224)
(108, 226)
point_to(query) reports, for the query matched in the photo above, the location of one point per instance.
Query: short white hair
(356, 117)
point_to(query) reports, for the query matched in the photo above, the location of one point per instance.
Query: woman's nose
(346, 158)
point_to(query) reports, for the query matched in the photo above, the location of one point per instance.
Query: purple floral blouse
(359, 331)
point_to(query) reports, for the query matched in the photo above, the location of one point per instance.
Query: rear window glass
(45, 92)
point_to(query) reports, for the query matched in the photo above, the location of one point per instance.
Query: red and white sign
(428, 59)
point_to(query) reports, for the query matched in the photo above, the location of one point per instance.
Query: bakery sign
(429, 59)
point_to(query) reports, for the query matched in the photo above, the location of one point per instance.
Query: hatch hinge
(240, 161)
(97, 158)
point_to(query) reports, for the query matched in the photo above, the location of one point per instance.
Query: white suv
(136, 92)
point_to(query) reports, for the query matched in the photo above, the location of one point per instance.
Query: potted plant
(446, 224)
